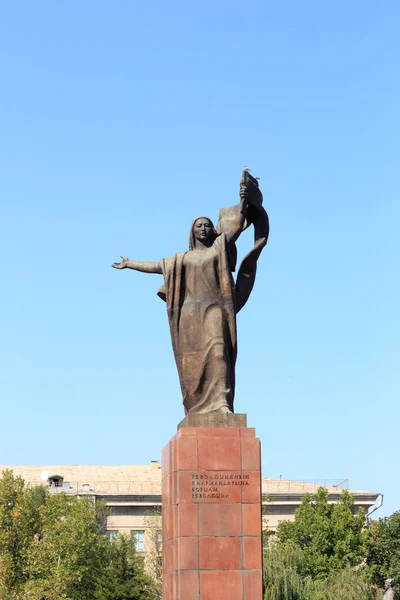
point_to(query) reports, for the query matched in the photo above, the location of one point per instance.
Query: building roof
(286, 492)
(101, 479)
(333, 486)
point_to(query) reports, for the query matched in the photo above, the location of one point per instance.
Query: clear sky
(119, 123)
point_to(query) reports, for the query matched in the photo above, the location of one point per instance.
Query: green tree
(19, 524)
(284, 567)
(66, 560)
(52, 547)
(331, 536)
(283, 573)
(346, 584)
(384, 549)
(123, 577)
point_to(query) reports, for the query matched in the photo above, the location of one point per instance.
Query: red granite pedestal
(211, 498)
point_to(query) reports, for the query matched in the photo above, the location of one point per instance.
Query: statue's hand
(121, 265)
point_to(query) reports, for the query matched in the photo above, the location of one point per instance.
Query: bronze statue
(203, 300)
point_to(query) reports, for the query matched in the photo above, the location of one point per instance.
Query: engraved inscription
(216, 485)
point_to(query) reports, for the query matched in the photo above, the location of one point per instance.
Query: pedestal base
(211, 497)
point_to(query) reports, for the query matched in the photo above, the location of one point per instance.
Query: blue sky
(120, 122)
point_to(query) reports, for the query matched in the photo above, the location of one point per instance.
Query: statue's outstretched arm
(144, 266)
(236, 227)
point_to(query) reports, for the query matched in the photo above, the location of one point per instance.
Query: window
(55, 481)
(112, 535)
(138, 536)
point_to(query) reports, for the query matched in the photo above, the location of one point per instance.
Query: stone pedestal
(211, 499)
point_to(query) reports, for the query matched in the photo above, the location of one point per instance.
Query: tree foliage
(331, 536)
(19, 526)
(53, 547)
(66, 560)
(284, 568)
(384, 549)
(283, 573)
(124, 577)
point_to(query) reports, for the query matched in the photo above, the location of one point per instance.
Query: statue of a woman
(202, 300)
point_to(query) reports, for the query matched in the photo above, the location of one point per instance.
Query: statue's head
(202, 233)
(389, 583)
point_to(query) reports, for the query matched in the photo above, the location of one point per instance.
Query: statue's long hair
(192, 239)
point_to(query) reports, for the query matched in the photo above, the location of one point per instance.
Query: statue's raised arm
(203, 300)
(255, 215)
(143, 266)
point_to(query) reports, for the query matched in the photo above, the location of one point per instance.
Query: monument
(211, 491)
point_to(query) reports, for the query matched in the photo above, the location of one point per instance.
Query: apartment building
(133, 493)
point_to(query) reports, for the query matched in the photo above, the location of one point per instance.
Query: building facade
(133, 494)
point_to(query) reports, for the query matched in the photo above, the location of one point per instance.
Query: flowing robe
(200, 297)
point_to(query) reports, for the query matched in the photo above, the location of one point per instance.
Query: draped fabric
(200, 296)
